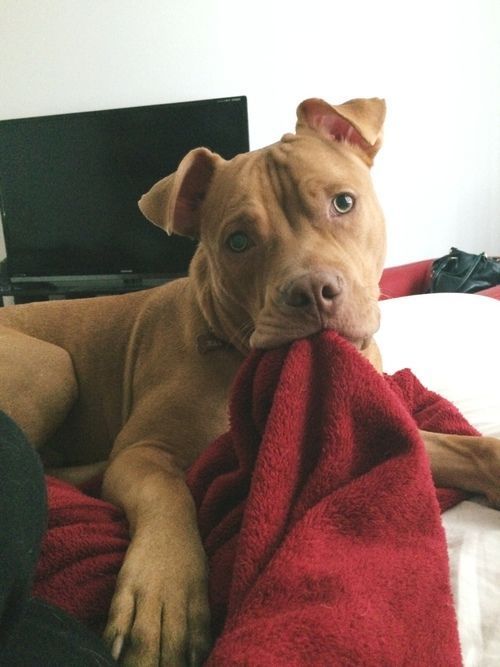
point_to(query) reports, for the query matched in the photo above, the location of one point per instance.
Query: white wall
(436, 62)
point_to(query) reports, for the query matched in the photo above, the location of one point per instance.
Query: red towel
(82, 551)
(318, 515)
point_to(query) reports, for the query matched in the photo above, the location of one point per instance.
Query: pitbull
(292, 242)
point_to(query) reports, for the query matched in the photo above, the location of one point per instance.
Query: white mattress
(450, 342)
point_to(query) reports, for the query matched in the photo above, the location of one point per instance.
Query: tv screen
(69, 186)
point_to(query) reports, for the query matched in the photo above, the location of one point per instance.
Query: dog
(291, 242)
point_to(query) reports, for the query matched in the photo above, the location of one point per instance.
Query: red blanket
(318, 515)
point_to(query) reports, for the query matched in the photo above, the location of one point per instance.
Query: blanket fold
(82, 551)
(318, 515)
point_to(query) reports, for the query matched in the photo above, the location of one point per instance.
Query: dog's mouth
(316, 305)
(272, 334)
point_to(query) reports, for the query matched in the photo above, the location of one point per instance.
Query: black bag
(460, 271)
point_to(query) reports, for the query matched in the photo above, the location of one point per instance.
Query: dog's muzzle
(306, 304)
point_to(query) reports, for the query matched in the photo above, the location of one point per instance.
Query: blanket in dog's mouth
(318, 515)
(320, 518)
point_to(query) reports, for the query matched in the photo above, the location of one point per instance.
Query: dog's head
(292, 238)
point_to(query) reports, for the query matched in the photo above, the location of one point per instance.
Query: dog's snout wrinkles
(318, 290)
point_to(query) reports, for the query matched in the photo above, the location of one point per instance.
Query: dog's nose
(318, 289)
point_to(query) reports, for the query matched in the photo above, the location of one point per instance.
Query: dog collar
(210, 343)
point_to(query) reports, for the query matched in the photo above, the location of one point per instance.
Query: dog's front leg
(469, 463)
(159, 614)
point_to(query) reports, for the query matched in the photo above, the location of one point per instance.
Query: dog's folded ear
(174, 202)
(358, 122)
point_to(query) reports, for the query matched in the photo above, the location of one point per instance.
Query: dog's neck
(223, 324)
(209, 342)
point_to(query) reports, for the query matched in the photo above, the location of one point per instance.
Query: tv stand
(73, 287)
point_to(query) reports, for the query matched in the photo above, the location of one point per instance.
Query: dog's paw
(159, 615)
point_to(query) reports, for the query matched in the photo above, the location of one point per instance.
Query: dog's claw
(117, 647)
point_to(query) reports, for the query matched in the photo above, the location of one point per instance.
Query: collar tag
(210, 343)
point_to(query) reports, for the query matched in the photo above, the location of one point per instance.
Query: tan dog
(292, 242)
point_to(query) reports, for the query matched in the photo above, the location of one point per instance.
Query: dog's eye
(238, 242)
(343, 202)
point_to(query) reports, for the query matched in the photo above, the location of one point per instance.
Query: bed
(276, 580)
(450, 341)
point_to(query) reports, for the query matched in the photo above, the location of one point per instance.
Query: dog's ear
(174, 202)
(358, 122)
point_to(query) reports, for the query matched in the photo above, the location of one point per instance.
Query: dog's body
(292, 242)
(143, 333)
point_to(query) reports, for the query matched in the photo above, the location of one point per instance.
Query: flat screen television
(69, 186)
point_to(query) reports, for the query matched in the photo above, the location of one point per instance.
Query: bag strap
(471, 270)
(438, 272)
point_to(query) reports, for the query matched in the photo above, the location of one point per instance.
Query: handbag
(460, 271)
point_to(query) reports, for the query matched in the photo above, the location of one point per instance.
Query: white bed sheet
(473, 535)
(450, 342)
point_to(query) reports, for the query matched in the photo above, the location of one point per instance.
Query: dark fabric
(23, 518)
(33, 633)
